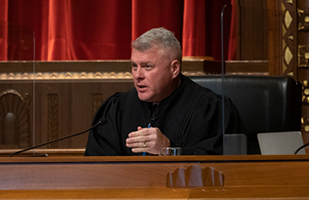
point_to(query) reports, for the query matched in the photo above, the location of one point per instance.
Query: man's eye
(148, 67)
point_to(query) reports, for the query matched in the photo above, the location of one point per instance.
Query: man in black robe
(164, 109)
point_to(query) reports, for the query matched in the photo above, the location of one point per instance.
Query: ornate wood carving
(97, 100)
(282, 37)
(78, 75)
(14, 120)
(52, 131)
(195, 176)
(289, 37)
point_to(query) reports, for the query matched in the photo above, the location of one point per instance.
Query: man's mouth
(142, 88)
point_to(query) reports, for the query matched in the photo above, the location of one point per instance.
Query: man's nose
(138, 73)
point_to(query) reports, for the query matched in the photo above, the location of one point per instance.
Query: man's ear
(175, 68)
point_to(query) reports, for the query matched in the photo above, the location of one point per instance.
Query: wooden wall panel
(64, 107)
(251, 30)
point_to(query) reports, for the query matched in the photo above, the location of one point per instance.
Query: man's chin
(144, 98)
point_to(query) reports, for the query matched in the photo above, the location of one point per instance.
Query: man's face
(153, 74)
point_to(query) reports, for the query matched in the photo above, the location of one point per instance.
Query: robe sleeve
(105, 140)
(205, 135)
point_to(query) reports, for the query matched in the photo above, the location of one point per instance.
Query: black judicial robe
(191, 117)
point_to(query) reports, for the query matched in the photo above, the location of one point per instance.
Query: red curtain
(3, 29)
(104, 29)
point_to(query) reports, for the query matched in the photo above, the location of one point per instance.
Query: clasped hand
(149, 140)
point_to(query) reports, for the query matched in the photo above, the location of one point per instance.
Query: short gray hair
(159, 37)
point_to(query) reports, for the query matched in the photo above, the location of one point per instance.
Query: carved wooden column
(303, 58)
(282, 37)
(288, 35)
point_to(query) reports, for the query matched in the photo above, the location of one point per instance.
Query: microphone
(100, 122)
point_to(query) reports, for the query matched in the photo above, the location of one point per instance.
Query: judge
(164, 109)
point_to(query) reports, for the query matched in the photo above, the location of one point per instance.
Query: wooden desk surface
(247, 176)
